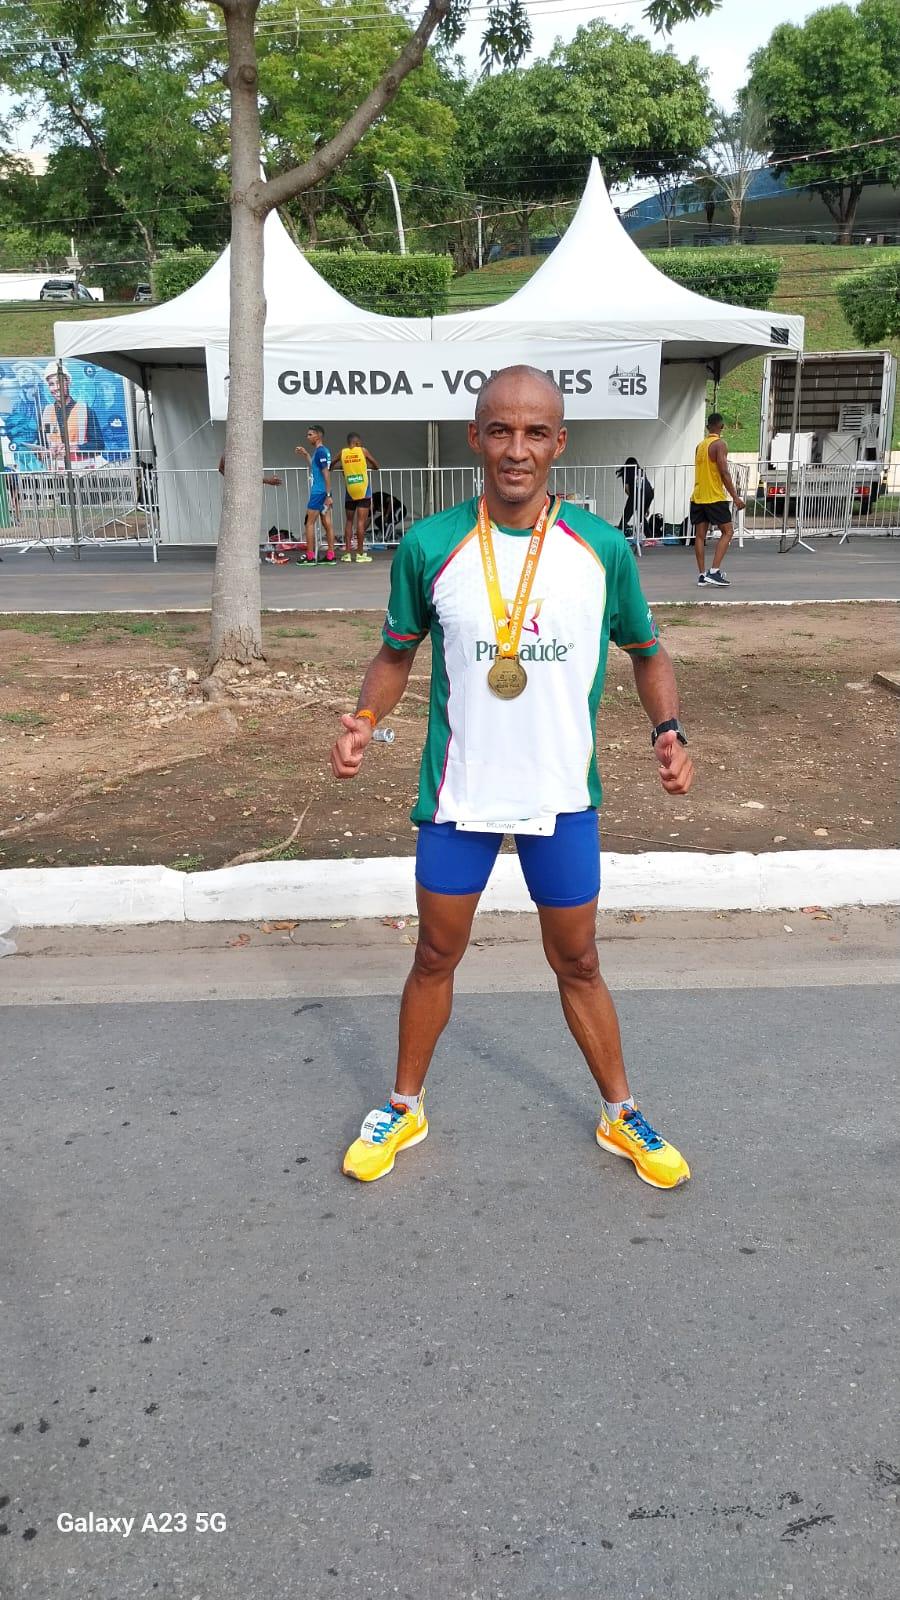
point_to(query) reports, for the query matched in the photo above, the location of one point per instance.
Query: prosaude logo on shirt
(544, 650)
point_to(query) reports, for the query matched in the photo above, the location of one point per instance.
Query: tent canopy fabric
(300, 307)
(597, 284)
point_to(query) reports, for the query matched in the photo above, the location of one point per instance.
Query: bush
(397, 286)
(173, 273)
(870, 301)
(735, 276)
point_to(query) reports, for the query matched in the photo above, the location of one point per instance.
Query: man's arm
(326, 474)
(719, 453)
(301, 450)
(222, 465)
(654, 679)
(382, 689)
(370, 460)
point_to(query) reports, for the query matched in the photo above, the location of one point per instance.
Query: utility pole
(478, 214)
(401, 235)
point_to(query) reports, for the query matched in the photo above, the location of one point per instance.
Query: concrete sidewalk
(127, 580)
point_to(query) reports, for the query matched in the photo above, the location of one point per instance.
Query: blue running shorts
(317, 501)
(560, 869)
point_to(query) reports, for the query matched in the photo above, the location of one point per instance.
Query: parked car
(65, 289)
(143, 294)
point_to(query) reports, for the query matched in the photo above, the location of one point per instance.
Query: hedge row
(174, 273)
(870, 301)
(397, 286)
(736, 276)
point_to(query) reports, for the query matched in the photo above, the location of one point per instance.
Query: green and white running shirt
(485, 759)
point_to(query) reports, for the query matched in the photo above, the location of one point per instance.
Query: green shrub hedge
(174, 273)
(870, 301)
(736, 276)
(397, 286)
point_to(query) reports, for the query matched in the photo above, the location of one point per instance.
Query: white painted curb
(81, 897)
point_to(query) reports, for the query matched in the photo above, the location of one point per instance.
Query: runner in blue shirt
(320, 502)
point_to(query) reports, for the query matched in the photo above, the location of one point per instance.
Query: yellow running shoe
(655, 1160)
(386, 1130)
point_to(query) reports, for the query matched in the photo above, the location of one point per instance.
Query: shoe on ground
(363, 558)
(330, 556)
(703, 579)
(303, 559)
(347, 556)
(718, 578)
(277, 559)
(655, 1160)
(386, 1131)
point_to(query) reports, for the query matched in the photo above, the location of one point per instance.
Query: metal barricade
(104, 501)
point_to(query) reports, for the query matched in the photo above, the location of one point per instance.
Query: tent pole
(432, 449)
(150, 481)
(783, 545)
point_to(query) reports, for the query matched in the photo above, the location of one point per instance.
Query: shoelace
(640, 1128)
(392, 1115)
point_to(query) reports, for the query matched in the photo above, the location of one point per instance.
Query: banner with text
(430, 382)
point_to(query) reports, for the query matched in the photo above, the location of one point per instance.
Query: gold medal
(507, 677)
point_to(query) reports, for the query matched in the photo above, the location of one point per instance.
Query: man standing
(510, 746)
(709, 507)
(356, 462)
(320, 501)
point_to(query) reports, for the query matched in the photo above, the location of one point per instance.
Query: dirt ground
(109, 754)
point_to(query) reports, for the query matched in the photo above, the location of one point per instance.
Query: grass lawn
(26, 327)
(807, 284)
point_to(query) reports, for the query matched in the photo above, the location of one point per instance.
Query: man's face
(313, 438)
(519, 435)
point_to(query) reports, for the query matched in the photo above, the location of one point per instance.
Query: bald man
(520, 594)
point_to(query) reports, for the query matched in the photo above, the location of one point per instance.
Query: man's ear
(562, 440)
(474, 441)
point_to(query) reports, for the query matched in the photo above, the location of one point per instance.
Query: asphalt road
(509, 1372)
(127, 580)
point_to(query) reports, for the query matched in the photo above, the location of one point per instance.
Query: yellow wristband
(369, 715)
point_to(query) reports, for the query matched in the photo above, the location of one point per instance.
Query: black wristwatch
(672, 726)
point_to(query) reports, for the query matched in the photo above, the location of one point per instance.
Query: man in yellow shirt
(356, 462)
(709, 507)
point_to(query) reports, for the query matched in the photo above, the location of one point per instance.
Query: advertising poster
(91, 403)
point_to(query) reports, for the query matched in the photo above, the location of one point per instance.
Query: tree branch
(287, 185)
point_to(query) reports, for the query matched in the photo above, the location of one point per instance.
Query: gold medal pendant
(507, 677)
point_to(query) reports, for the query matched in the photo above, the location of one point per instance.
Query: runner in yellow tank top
(712, 482)
(355, 463)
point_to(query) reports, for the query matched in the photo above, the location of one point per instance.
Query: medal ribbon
(509, 629)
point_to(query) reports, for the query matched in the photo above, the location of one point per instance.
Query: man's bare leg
(700, 545)
(726, 534)
(445, 923)
(362, 518)
(328, 525)
(570, 945)
(311, 535)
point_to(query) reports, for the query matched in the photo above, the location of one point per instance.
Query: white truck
(843, 430)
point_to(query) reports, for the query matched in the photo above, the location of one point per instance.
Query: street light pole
(478, 212)
(400, 233)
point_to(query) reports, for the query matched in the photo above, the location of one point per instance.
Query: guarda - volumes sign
(439, 382)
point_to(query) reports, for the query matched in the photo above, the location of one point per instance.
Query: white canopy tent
(595, 300)
(598, 286)
(164, 349)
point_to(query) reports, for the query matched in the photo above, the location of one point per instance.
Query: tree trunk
(736, 208)
(842, 202)
(525, 233)
(236, 624)
(668, 231)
